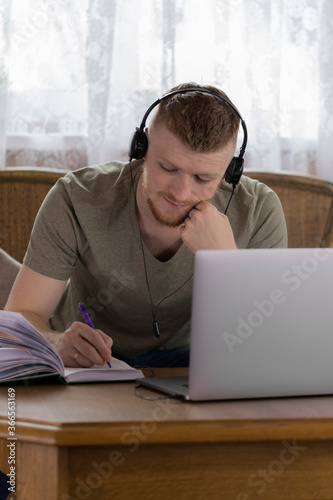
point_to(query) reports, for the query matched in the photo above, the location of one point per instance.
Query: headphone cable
(232, 193)
(154, 323)
(154, 311)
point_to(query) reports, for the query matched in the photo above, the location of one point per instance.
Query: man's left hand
(206, 228)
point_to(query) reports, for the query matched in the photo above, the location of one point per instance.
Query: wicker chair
(22, 190)
(307, 202)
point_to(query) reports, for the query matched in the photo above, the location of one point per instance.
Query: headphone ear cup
(138, 145)
(234, 171)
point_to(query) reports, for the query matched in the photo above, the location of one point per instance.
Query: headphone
(139, 141)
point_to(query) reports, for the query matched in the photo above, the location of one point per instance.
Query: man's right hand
(83, 346)
(36, 296)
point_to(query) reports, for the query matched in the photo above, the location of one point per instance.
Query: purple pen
(88, 321)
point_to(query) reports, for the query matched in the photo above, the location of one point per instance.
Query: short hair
(200, 120)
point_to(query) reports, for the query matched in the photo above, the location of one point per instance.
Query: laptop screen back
(262, 323)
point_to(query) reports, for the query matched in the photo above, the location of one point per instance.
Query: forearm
(36, 296)
(54, 337)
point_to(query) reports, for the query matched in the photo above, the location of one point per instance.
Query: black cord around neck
(154, 311)
(156, 329)
(232, 193)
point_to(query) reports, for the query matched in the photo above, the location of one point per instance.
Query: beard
(163, 219)
(169, 218)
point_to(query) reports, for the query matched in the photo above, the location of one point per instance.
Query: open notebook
(30, 356)
(262, 325)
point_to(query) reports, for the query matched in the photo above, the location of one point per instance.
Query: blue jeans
(174, 357)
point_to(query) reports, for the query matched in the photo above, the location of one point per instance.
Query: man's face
(175, 178)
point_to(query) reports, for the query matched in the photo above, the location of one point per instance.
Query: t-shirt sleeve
(270, 230)
(53, 245)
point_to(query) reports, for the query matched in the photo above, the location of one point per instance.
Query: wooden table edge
(171, 432)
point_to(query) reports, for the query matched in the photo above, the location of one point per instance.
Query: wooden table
(100, 441)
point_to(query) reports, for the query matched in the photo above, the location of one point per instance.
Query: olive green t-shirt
(86, 233)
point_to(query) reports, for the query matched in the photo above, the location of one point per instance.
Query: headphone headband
(139, 142)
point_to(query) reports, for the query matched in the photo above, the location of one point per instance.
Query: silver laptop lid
(262, 323)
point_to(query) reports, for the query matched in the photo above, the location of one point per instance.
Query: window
(78, 76)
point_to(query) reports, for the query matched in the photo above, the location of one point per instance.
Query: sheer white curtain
(76, 77)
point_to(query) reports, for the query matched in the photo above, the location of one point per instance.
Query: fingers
(83, 346)
(195, 214)
(198, 218)
(206, 228)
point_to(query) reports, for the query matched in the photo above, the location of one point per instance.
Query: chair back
(22, 190)
(307, 202)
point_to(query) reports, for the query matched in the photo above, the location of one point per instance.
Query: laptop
(261, 326)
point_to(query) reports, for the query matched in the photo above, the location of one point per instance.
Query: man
(9, 269)
(121, 238)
